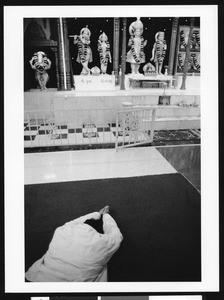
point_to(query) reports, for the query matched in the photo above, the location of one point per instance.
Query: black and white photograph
(112, 181)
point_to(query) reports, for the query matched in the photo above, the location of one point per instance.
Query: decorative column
(123, 57)
(183, 86)
(63, 55)
(116, 48)
(55, 50)
(67, 54)
(173, 45)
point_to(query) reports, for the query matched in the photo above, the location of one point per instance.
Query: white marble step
(177, 123)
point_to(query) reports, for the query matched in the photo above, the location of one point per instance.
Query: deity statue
(104, 51)
(40, 63)
(159, 51)
(84, 50)
(136, 55)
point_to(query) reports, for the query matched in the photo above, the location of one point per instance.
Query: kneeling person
(79, 250)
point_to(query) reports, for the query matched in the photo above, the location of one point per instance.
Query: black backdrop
(97, 26)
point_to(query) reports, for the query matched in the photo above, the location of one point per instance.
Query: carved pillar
(67, 54)
(123, 57)
(183, 86)
(55, 50)
(173, 45)
(116, 48)
(63, 55)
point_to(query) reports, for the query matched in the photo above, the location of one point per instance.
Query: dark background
(97, 26)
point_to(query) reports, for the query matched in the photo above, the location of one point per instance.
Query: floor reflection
(186, 160)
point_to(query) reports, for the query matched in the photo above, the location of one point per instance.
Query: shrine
(80, 71)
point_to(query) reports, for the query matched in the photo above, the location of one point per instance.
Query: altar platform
(75, 110)
(74, 113)
(37, 99)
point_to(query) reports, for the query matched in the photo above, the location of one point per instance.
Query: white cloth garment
(78, 252)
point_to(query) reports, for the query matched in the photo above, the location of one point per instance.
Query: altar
(76, 84)
(144, 80)
(94, 82)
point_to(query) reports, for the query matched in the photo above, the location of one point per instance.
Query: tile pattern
(56, 135)
(48, 135)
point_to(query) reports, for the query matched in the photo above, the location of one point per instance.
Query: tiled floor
(46, 167)
(94, 164)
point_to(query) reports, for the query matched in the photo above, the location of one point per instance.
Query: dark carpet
(159, 217)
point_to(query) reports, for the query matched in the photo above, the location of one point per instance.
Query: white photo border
(14, 147)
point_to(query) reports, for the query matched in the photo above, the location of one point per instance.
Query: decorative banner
(193, 64)
(194, 59)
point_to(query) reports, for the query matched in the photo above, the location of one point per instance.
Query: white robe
(78, 252)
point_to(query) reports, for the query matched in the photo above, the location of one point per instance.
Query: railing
(88, 126)
(69, 127)
(136, 127)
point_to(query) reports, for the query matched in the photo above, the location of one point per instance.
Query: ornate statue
(84, 50)
(159, 51)
(135, 55)
(104, 51)
(40, 63)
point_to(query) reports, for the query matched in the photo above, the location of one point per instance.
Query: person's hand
(75, 39)
(105, 210)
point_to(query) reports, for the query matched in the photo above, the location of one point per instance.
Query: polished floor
(107, 163)
(94, 164)
(186, 160)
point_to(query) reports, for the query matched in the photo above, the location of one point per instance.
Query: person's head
(137, 32)
(159, 36)
(103, 37)
(96, 224)
(136, 26)
(85, 33)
